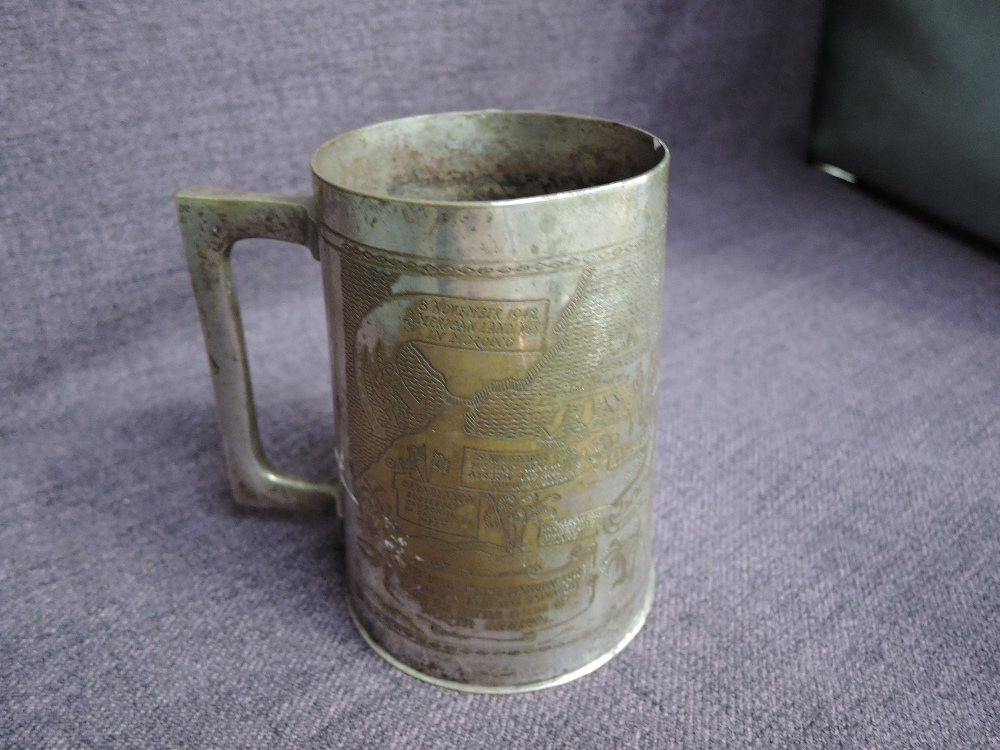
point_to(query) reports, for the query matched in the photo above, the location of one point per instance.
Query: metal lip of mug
(493, 285)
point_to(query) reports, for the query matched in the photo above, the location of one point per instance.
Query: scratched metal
(493, 284)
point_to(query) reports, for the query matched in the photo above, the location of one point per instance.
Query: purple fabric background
(827, 534)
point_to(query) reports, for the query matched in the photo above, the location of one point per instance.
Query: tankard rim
(657, 146)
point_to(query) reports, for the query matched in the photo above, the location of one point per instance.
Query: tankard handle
(211, 220)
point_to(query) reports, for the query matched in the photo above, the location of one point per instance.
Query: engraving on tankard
(495, 346)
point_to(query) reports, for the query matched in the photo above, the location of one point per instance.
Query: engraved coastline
(490, 426)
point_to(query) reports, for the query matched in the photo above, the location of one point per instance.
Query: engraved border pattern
(395, 262)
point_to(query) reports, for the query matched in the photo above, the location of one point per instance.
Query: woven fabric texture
(827, 535)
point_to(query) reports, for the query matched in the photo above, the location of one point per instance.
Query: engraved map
(500, 439)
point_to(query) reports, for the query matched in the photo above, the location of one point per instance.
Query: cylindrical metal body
(494, 286)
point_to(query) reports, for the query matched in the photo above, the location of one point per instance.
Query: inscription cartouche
(479, 325)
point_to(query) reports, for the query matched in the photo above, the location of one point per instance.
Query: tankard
(493, 286)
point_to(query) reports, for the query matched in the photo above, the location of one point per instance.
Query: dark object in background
(908, 101)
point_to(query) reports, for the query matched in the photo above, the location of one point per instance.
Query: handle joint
(211, 221)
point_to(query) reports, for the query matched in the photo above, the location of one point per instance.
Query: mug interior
(485, 156)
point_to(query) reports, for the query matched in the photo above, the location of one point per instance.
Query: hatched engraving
(501, 445)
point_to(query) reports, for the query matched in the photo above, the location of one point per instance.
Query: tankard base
(465, 687)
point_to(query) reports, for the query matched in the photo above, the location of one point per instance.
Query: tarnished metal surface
(493, 286)
(211, 220)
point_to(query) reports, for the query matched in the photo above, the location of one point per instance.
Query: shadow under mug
(493, 285)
